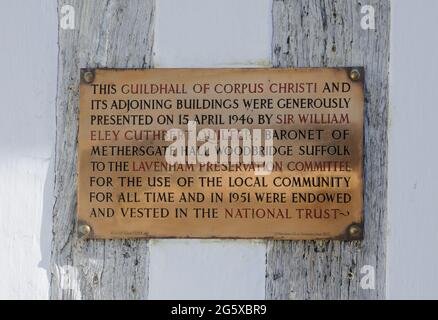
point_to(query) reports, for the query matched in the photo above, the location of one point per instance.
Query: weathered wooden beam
(320, 33)
(114, 33)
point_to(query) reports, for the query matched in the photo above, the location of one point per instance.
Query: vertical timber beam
(114, 33)
(325, 33)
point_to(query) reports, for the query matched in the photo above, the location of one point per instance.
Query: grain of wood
(114, 33)
(325, 33)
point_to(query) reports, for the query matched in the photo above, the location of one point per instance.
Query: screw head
(88, 76)
(84, 230)
(354, 74)
(354, 230)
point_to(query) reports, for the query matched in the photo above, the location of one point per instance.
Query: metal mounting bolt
(84, 230)
(354, 230)
(88, 76)
(354, 74)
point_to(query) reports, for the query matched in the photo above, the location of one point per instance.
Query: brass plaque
(221, 153)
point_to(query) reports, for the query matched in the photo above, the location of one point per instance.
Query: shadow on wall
(46, 219)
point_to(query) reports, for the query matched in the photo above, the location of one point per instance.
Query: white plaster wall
(28, 61)
(210, 33)
(412, 261)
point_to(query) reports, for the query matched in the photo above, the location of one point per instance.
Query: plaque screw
(88, 76)
(354, 230)
(354, 74)
(84, 230)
